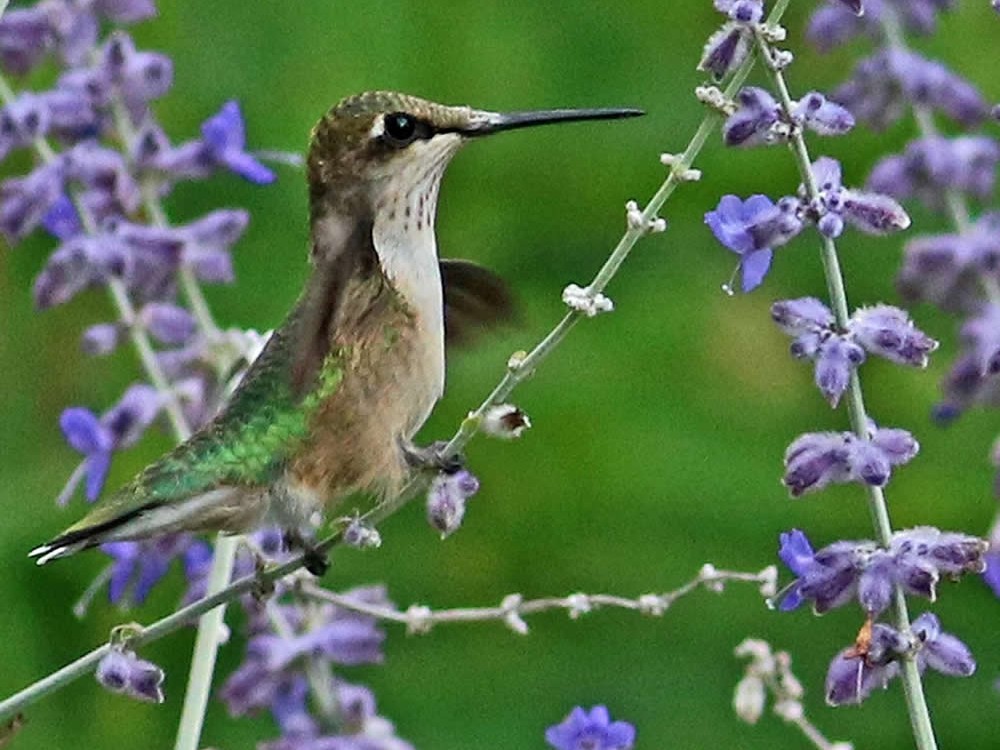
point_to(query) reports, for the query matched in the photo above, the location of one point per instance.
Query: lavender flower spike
(590, 730)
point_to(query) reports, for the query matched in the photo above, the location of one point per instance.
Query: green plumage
(245, 445)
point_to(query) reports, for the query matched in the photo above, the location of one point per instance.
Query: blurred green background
(658, 430)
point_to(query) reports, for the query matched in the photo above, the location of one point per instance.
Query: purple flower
(725, 50)
(590, 730)
(930, 166)
(874, 660)
(288, 706)
(854, 6)
(882, 330)
(119, 427)
(61, 220)
(884, 84)
(224, 138)
(753, 122)
(941, 651)
(915, 561)
(121, 671)
(872, 213)
(85, 434)
(888, 332)
(992, 573)
(24, 201)
(125, 11)
(816, 459)
(250, 688)
(25, 38)
(836, 358)
(139, 566)
(857, 671)
(821, 115)
(109, 188)
(22, 121)
(360, 728)
(208, 242)
(744, 11)
(751, 229)
(839, 21)
(446, 500)
(101, 339)
(828, 578)
(169, 323)
(947, 269)
(140, 77)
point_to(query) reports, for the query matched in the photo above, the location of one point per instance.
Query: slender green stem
(521, 368)
(920, 721)
(211, 633)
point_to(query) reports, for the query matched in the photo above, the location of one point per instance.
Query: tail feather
(55, 550)
(72, 541)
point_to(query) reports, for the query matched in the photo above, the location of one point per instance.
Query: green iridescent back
(245, 445)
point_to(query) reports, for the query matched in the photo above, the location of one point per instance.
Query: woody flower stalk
(877, 574)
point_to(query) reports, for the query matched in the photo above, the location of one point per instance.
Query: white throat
(404, 239)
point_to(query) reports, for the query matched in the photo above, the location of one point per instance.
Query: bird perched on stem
(331, 405)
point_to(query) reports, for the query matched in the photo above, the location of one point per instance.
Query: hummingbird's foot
(263, 587)
(316, 562)
(432, 457)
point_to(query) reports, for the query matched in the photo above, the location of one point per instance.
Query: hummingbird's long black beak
(495, 122)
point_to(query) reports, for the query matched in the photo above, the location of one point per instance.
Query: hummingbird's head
(381, 148)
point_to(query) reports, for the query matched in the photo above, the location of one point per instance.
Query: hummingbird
(331, 405)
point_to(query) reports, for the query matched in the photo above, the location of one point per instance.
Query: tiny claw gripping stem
(434, 457)
(263, 587)
(315, 561)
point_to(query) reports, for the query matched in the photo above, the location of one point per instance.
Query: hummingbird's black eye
(400, 129)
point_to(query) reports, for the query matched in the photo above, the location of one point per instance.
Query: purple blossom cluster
(121, 671)
(292, 648)
(910, 562)
(915, 560)
(818, 459)
(759, 120)
(882, 330)
(446, 500)
(957, 270)
(755, 227)
(874, 660)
